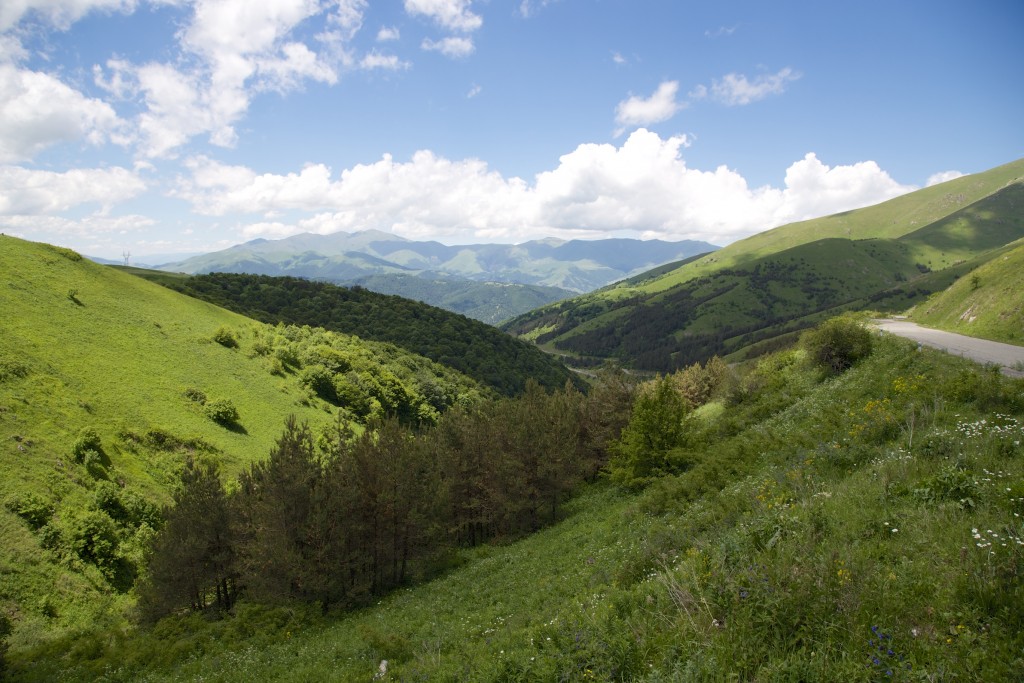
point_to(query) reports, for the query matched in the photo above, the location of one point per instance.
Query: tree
(655, 427)
(274, 512)
(193, 563)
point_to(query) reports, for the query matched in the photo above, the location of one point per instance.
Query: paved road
(1007, 356)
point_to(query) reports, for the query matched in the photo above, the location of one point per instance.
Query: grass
(985, 302)
(861, 528)
(86, 346)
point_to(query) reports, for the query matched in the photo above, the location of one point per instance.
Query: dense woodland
(469, 346)
(336, 518)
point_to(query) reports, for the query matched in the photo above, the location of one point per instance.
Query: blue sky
(173, 126)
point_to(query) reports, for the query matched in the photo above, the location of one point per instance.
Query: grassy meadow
(107, 384)
(859, 527)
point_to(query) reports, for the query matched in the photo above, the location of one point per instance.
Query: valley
(223, 476)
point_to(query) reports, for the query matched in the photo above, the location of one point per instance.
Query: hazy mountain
(576, 265)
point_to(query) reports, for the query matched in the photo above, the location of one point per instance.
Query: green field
(860, 527)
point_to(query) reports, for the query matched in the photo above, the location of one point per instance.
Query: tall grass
(864, 527)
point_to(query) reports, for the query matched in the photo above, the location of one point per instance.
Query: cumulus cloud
(58, 13)
(452, 46)
(37, 110)
(639, 111)
(233, 49)
(942, 177)
(642, 188)
(387, 33)
(454, 15)
(33, 192)
(376, 60)
(736, 89)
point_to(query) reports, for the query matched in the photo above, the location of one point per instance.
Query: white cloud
(736, 89)
(375, 60)
(638, 111)
(452, 46)
(387, 33)
(51, 228)
(642, 188)
(720, 32)
(33, 193)
(58, 13)
(527, 8)
(942, 177)
(474, 91)
(454, 15)
(37, 110)
(618, 58)
(233, 50)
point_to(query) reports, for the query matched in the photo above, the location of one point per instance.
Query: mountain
(108, 383)
(755, 294)
(474, 348)
(576, 265)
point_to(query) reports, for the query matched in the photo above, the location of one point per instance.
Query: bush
(196, 395)
(32, 508)
(225, 336)
(88, 441)
(836, 345)
(222, 411)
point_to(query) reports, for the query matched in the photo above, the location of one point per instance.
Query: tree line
(336, 518)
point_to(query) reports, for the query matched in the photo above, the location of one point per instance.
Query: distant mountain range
(471, 279)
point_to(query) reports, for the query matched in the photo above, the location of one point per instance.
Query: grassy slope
(889, 220)
(825, 531)
(984, 303)
(85, 345)
(812, 270)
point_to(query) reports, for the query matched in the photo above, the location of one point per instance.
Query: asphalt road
(1010, 358)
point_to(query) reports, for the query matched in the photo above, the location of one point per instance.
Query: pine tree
(193, 560)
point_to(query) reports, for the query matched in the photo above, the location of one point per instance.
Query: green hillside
(108, 383)
(889, 220)
(755, 294)
(480, 351)
(864, 526)
(987, 302)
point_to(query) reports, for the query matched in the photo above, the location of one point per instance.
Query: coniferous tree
(193, 563)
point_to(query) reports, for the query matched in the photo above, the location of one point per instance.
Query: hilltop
(753, 295)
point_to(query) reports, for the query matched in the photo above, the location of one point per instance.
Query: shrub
(197, 395)
(225, 336)
(88, 441)
(31, 507)
(836, 345)
(222, 411)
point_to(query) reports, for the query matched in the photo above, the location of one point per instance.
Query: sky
(135, 128)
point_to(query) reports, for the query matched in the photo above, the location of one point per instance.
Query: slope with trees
(755, 294)
(469, 346)
(108, 386)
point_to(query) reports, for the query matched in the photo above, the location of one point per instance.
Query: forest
(469, 346)
(336, 518)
